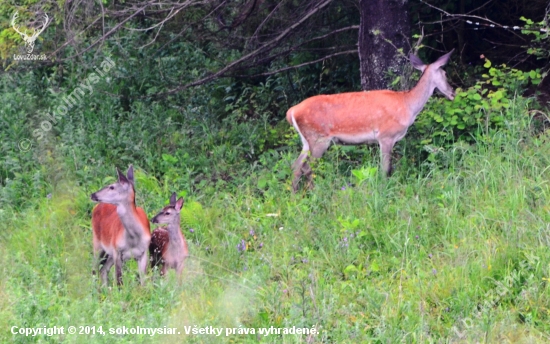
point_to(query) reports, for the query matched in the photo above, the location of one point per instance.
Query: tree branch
(113, 30)
(493, 24)
(298, 66)
(295, 48)
(254, 53)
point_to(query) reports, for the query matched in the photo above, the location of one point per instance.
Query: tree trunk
(385, 28)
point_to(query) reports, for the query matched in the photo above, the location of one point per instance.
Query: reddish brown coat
(381, 116)
(120, 229)
(108, 230)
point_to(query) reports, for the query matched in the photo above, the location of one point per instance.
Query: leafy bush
(540, 42)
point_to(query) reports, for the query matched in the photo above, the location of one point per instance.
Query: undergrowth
(450, 248)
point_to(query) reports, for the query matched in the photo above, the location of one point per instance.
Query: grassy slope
(445, 255)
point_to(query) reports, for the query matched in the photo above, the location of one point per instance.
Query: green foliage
(192, 215)
(357, 262)
(540, 42)
(365, 173)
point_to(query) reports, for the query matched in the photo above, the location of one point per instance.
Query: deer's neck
(174, 232)
(418, 96)
(128, 215)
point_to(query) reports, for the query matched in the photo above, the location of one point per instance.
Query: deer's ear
(179, 204)
(417, 62)
(130, 174)
(121, 177)
(443, 59)
(173, 199)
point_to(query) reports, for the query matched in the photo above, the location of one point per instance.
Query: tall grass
(455, 249)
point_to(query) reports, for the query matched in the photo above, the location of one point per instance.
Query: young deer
(121, 230)
(354, 118)
(168, 247)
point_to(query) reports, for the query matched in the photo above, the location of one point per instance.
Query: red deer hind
(354, 118)
(121, 230)
(168, 247)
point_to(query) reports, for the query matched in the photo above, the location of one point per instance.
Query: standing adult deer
(354, 118)
(168, 247)
(120, 229)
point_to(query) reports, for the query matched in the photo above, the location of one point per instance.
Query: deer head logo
(29, 39)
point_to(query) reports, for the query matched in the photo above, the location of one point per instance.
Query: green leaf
(169, 158)
(374, 266)
(264, 316)
(361, 234)
(498, 95)
(192, 214)
(350, 268)
(396, 81)
(262, 182)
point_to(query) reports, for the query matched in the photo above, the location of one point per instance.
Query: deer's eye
(111, 187)
(167, 213)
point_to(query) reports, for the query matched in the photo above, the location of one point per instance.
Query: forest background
(453, 247)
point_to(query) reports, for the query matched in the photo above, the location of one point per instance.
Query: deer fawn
(168, 246)
(121, 230)
(354, 118)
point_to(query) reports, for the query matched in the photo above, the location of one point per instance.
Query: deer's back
(158, 245)
(352, 114)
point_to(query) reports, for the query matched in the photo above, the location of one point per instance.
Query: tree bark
(383, 40)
